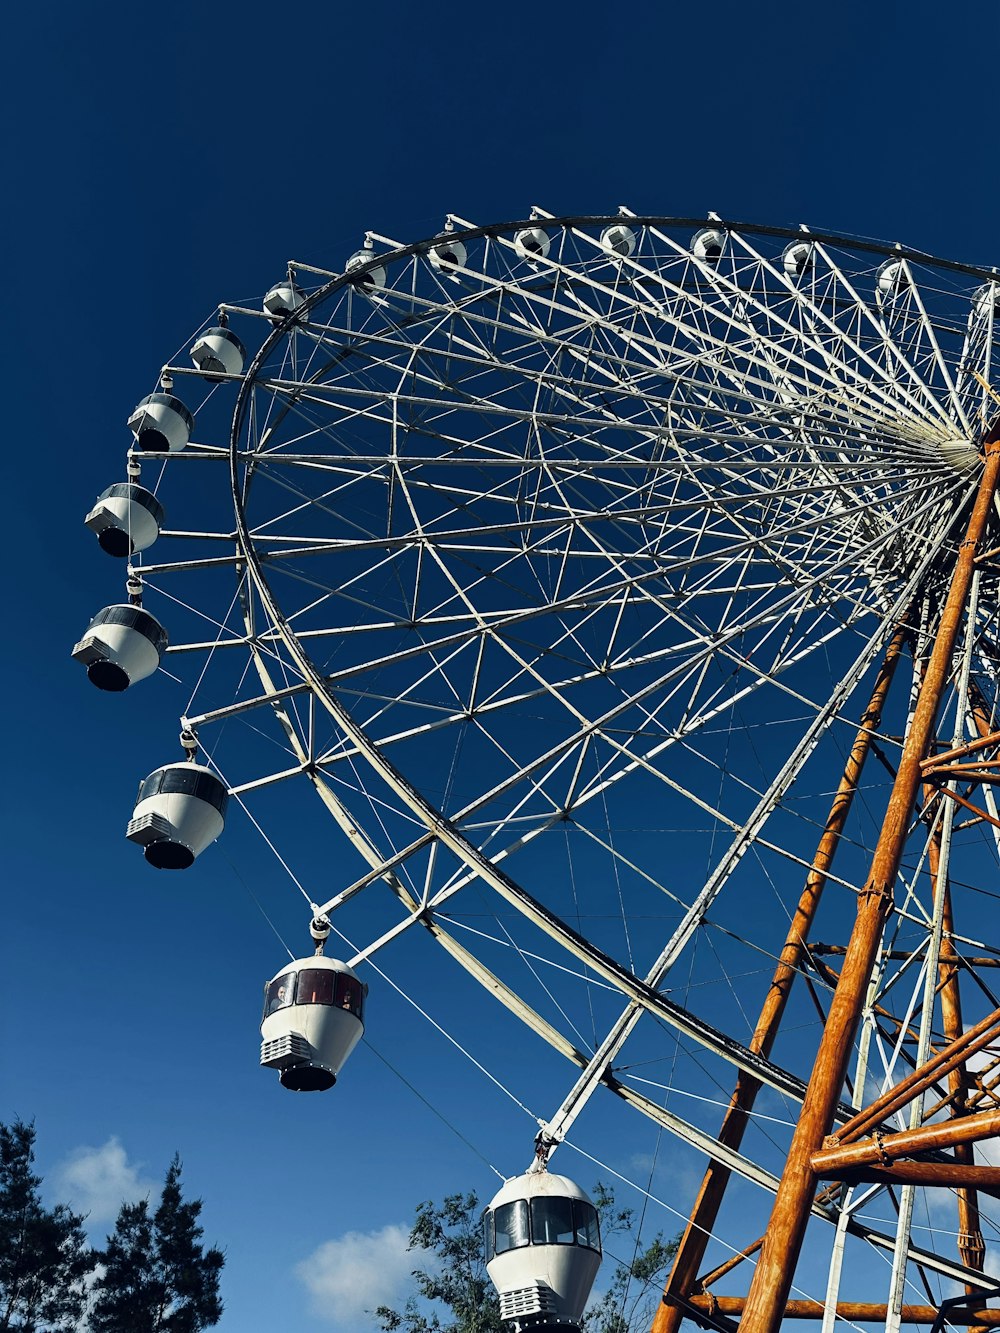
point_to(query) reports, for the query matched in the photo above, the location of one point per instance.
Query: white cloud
(347, 1279)
(97, 1181)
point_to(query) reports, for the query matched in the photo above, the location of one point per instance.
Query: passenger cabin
(126, 518)
(708, 244)
(619, 240)
(180, 809)
(366, 279)
(161, 423)
(986, 301)
(314, 1016)
(892, 278)
(282, 300)
(218, 352)
(448, 254)
(797, 259)
(123, 644)
(532, 243)
(543, 1250)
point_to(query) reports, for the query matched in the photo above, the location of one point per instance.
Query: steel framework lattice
(582, 562)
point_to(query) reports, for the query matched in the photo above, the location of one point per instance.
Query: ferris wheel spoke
(977, 355)
(709, 274)
(936, 357)
(919, 398)
(763, 677)
(894, 357)
(652, 360)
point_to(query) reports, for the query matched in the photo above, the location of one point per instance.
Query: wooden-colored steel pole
(856, 1311)
(920, 1079)
(775, 1271)
(908, 1142)
(944, 1175)
(691, 1250)
(971, 1245)
(973, 961)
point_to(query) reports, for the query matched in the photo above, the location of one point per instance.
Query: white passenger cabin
(986, 301)
(532, 243)
(313, 1018)
(126, 518)
(161, 423)
(892, 278)
(180, 809)
(282, 300)
(218, 352)
(123, 644)
(797, 258)
(708, 244)
(372, 280)
(448, 254)
(619, 240)
(543, 1250)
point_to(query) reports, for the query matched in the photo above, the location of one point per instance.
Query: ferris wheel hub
(959, 452)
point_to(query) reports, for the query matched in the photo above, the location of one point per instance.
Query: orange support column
(773, 1276)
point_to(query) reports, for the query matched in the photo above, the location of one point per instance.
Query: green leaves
(455, 1280)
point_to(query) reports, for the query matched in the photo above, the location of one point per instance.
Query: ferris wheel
(621, 586)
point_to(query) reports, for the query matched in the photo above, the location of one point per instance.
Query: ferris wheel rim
(589, 221)
(434, 821)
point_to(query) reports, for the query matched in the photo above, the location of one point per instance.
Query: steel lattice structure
(575, 559)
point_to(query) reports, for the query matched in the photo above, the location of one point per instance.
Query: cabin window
(127, 490)
(187, 780)
(316, 986)
(135, 618)
(511, 1223)
(349, 994)
(552, 1221)
(588, 1231)
(279, 993)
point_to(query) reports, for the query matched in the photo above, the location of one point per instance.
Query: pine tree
(129, 1295)
(44, 1256)
(158, 1277)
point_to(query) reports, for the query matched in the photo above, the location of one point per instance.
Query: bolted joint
(972, 1248)
(880, 893)
(545, 1145)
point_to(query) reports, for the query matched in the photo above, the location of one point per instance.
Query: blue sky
(162, 160)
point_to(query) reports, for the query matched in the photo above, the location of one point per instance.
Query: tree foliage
(456, 1282)
(44, 1256)
(454, 1294)
(629, 1301)
(157, 1276)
